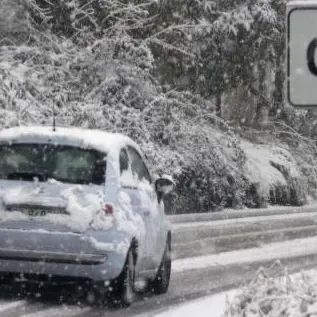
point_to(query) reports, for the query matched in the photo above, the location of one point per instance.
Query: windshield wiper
(27, 176)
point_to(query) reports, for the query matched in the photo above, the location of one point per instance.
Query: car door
(149, 208)
(129, 189)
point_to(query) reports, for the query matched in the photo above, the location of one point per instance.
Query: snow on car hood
(77, 206)
(83, 207)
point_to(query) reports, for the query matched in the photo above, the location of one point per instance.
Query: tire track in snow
(19, 308)
(65, 311)
(11, 305)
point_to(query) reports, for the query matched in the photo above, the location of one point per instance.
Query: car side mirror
(164, 185)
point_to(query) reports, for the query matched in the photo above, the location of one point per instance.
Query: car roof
(84, 138)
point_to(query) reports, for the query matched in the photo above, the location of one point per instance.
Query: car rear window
(43, 161)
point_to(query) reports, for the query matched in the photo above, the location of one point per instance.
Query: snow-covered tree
(154, 70)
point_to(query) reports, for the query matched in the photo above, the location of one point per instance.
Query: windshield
(43, 161)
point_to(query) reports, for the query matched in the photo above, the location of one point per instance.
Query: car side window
(138, 166)
(126, 173)
(123, 161)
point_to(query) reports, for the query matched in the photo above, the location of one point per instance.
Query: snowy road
(212, 253)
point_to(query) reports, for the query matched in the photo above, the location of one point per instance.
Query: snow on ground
(269, 294)
(211, 306)
(292, 294)
(10, 305)
(225, 214)
(242, 221)
(295, 294)
(65, 310)
(278, 250)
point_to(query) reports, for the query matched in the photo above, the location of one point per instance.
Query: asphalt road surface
(233, 236)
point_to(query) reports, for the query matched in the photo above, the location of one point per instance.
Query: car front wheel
(123, 295)
(162, 280)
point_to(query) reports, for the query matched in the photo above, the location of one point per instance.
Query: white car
(77, 203)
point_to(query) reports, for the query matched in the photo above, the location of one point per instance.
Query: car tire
(123, 290)
(161, 283)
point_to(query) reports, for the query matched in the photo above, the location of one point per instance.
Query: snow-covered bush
(274, 175)
(274, 292)
(304, 150)
(212, 174)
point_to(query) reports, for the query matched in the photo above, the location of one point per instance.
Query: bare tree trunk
(218, 104)
(278, 95)
(262, 109)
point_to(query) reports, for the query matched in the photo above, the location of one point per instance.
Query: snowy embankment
(271, 251)
(210, 306)
(272, 292)
(241, 173)
(274, 174)
(283, 295)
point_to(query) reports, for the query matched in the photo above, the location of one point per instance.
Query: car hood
(66, 205)
(51, 193)
(15, 194)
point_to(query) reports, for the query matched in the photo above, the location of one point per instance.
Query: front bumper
(33, 251)
(52, 257)
(89, 266)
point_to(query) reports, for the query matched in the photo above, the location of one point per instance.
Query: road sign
(302, 54)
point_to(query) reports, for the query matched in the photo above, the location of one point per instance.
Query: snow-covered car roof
(83, 138)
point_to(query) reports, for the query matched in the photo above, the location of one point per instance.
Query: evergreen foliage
(158, 71)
